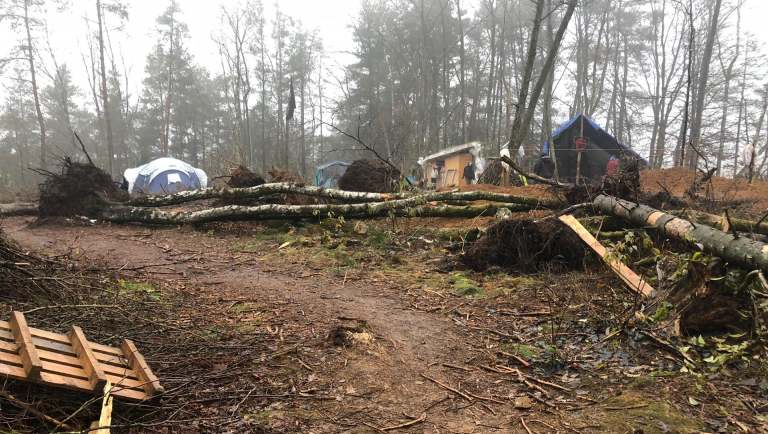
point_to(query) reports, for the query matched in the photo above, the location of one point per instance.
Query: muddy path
(377, 382)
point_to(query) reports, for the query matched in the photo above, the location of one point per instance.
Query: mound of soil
(371, 176)
(243, 177)
(282, 175)
(81, 189)
(528, 246)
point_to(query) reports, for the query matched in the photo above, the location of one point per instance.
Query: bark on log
(414, 207)
(741, 225)
(741, 251)
(18, 209)
(340, 195)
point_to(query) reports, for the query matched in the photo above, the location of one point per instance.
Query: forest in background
(427, 74)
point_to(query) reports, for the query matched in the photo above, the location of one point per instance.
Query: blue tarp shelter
(601, 146)
(328, 174)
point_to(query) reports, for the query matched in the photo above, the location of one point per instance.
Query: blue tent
(164, 176)
(328, 174)
(601, 146)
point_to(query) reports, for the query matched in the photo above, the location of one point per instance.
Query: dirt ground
(383, 339)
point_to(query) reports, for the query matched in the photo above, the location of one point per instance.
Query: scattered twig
(446, 387)
(528, 430)
(32, 410)
(420, 419)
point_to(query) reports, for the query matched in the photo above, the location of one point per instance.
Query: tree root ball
(371, 176)
(81, 189)
(242, 177)
(528, 246)
(281, 175)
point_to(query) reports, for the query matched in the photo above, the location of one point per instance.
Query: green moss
(654, 409)
(260, 416)
(522, 350)
(465, 287)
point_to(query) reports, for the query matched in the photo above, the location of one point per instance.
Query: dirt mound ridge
(372, 176)
(81, 189)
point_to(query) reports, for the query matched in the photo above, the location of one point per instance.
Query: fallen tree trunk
(740, 251)
(400, 208)
(519, 170)
(340, 195)
(741, 225)
(18, 209)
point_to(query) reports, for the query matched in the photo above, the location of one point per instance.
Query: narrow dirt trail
(382, 381)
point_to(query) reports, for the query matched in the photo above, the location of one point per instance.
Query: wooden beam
(27, 351)
(137, 363)
(88, 360)
(635, 282)
(105, 419)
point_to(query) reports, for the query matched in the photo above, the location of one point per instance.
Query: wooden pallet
(71, 362)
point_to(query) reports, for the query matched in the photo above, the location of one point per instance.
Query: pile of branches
(172, 332)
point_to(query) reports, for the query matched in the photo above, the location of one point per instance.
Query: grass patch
(126, 287)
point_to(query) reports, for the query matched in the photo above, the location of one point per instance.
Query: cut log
(742, 226)
(742, 251)
(340, 195)
(399, 208)
(18, 209)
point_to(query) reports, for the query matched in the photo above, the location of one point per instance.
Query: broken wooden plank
(635, 282)
(88, 360)
(136, 361)
(105, 420)
(27, 351)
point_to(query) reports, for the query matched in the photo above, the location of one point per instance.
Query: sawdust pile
(372, 176)
(81, 189)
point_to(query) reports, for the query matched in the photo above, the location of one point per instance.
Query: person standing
(434, 175)
(469, 173)
(612, 168)
(505, 168)
(545, 167)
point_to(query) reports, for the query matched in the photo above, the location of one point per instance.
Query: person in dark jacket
(469, 173)
(545, 167)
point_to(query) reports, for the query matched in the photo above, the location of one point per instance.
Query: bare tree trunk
(527, 114)
(742, 109)
(40, 120)
(167, 126)
(461, 76)
(728, 75)
(703, 80)
(105, 94)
